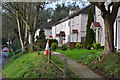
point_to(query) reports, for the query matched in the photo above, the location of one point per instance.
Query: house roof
(96, 24)
(48, 25)
(75, 31)
(83, 10)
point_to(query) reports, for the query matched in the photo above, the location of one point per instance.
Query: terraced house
(72, 29)
(99, 29)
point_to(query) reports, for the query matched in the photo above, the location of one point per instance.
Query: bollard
(65, 68)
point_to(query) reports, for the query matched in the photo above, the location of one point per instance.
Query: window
(72, 22)
(99, 13)
(118, 18)
(64, 24)
(69, 23)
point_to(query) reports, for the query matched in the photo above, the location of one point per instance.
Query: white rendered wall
(101, 21)
(118, 30)
(47, 33)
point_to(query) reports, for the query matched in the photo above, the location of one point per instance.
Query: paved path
(80, 70)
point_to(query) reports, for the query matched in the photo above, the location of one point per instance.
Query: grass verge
(107, 68)
(32, 65)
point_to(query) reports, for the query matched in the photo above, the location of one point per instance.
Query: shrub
(90, 36)
(16, 44)
(53, 46)
(96, 45)
(42, 43)
(53, 41)
(64, 47)
(88, 47)
(78, 45)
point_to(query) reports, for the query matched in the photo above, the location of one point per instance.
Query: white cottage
(72, 29)
(97, 30)
(47, 28)
(100, 34)
(118, 31)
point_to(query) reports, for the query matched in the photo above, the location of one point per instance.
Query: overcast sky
(79, 3)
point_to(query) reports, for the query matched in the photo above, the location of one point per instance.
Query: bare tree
(109, 17)
(26, 14)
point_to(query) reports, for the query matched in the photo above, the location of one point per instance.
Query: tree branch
(101, 6)
(115, 8)
(110, 6)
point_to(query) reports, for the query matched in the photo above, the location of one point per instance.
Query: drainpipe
(70, 32)
(97, 36)
(116, 35)
(55, 32)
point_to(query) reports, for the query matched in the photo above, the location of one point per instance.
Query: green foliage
(88, 47)
(62, 11)
(16, 45)
(41, 34)
(8, 29)
(31, 65)
(53, 46)
(96, 45)
(51, 41)
(78, 45)
(86, 59)
(64, 47)
(24, 66)
(111, 65)
(77, 54)
(90, 37)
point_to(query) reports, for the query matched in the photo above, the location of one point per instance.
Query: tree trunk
(109, 37)
(20, 36)
(30, 42)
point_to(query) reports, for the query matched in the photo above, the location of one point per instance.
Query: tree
(62, 11)
(8, 25)
(26, 15)
(41, 34)
(90, 37)
(43, 17)
(109, 17)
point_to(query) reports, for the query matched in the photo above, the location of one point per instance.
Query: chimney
(48, 20)
(72, 11)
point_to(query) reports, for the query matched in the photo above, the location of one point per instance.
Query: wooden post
(49, 56)
(65, 68)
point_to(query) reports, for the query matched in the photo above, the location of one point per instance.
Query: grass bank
(32, 65)
(78, 54)
(107, 68)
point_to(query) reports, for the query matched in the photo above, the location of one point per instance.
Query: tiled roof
(48, 25)
(75, 31)
(83, 10)
(96, 24)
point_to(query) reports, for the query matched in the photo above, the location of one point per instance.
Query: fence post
(65, 68)
(49, 56)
